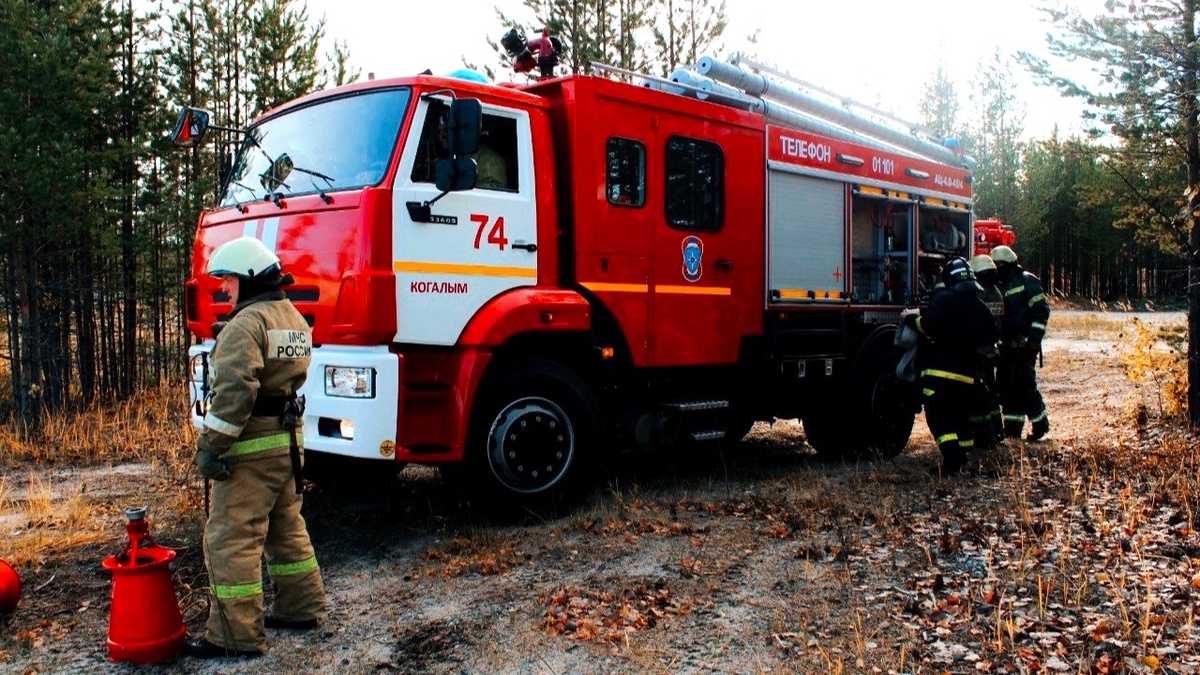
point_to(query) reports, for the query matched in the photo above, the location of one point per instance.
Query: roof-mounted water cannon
(542, 52)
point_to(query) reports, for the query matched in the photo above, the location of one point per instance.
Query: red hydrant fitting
(10, 588)
(144, 624)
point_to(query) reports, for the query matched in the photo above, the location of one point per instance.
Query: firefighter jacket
(993, 298)
(1026, 311)
(261, 357)
(960, 330)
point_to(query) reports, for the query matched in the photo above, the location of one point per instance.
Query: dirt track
(753, 558)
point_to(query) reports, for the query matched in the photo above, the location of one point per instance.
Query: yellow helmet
(1003, 255)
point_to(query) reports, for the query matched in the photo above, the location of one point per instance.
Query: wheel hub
(531, 445)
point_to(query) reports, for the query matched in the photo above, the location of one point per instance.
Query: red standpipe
(10, 588)
(144, 623)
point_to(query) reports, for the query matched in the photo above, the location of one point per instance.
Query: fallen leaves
(43, 630)
(604, 616)
(462, 557)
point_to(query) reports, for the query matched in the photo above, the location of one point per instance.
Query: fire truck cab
(525, 281)
(990, 233)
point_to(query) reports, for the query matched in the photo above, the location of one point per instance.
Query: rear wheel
(879, 412)
(534, 435)
(885, 407)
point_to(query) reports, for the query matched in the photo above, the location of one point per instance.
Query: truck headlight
(349, 382)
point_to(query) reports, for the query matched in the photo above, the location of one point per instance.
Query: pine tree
(939, 107)
(57, 166)
(1148, 68)
(994, 141)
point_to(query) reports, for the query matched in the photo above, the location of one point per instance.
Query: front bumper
(374, 420)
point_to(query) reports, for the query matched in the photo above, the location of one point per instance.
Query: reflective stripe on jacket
(264, 350)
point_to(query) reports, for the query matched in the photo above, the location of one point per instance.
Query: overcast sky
(879, 52)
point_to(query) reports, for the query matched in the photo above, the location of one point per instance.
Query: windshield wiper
(240, 205)
(279, 170)
(320, 191)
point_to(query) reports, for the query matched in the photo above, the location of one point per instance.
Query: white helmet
(245, 257)
(1004, 255)
(982, 263)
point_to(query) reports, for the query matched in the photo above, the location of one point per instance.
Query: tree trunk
(1192, 128)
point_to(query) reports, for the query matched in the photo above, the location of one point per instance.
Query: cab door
(478, 244)
(708, 263)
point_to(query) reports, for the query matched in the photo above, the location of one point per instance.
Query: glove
(211, 465)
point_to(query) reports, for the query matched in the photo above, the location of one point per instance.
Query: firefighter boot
(954, 458)
(985, 439)
(1040, 429)
(203, 649)
(272, 621)
(1013, 429)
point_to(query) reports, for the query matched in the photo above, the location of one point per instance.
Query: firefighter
(957, 326)
(987, 419)
(1026, 313)
(259, 361)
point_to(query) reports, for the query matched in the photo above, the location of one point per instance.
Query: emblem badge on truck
(693, 254)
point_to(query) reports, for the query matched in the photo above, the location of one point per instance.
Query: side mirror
(190, 129)
(466, 122)
(277, 173)
(455, 175)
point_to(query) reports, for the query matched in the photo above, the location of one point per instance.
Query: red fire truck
(990, 233)
(655, 263)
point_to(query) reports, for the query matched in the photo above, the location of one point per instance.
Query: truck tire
(534, 436)
(884, 408)
(879, 416)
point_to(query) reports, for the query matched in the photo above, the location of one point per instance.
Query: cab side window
(625, 172)
(432, 145)
(695, 191)
(496, 158)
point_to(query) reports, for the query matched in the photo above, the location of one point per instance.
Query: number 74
(495, 234)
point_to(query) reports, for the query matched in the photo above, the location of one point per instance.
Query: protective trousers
(948, 398)
(257, 511)
(986, 418)
(1016, 379)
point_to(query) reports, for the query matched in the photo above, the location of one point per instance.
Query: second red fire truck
(661, 262)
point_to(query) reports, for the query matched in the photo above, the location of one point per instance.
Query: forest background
(97, 210)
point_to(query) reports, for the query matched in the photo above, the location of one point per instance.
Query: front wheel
(534, 435)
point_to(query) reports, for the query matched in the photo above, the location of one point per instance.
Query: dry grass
(47, 523)
(1080, 554)
(1086, 325)
(138, 446)
(133, 430)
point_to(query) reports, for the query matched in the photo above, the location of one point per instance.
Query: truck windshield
(335, 144)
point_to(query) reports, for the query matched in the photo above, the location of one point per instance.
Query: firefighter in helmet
(1026, 313)
(259, 361)
(987, 419)
(957, 326)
